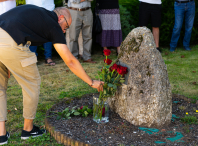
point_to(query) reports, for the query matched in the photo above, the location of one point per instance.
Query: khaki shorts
(22, 64)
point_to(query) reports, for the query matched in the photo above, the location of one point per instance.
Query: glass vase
(100, 110)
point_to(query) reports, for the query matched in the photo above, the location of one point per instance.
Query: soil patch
(119, 132)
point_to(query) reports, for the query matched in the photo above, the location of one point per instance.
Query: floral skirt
(111, 35)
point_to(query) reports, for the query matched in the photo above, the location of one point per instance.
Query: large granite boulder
(145, 98)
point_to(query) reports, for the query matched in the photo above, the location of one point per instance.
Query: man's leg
(179, 17)
(189, 21)
(3, 97)
(34, 49)
(74, 31)
(2, 128)
(155, 31)
(48, 53)
(87, 35)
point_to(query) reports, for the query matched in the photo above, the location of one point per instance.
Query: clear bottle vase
(100, 111)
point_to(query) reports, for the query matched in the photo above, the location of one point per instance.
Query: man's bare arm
(75, 66)
(3, 0)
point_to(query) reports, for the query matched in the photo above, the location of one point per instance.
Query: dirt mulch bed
(118, 132)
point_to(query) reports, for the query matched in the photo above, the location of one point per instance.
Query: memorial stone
(145, 99)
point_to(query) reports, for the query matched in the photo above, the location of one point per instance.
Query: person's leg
(118, 50)
(26, 73)
(3, 97)
(155, 31)
(74, 31)
(48, 53)
(28, 124)
(80, 43)
(144, 14)
(34, 49)
(189, 21)
(87, 35)
(179, 16)
(156, 22)
(2, 128)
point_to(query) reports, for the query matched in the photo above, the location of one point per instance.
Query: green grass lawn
(59, 82)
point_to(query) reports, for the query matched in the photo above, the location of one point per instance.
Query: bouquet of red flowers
(112, 75)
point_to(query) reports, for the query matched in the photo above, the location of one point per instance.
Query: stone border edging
(60, 137)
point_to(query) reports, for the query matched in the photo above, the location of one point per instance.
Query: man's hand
(98, 85)
(8, 74)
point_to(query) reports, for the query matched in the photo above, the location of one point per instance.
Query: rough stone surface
(145, 98)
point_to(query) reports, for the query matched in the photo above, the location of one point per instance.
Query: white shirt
(152, 1)
(78, 4)
(7, 5)
(47, 4)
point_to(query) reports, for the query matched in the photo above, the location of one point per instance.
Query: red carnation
(107, 61)
(122, 70)
(81, 107)
(107, 52)
(103, 111)
(113, 67)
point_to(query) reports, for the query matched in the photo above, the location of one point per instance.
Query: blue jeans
(47, 47)
(181, 10)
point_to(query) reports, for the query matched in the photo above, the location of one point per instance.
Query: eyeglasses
(67, 23)
(64, 18)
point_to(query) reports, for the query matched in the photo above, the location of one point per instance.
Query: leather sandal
(89, 61)
(51, 63)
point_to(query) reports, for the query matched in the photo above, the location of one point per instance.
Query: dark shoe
(50, 63)
(35, 132)
(159, 50)
(4, 139)
(187, 49)
(172, 49)
(80, 57)
(89, 61)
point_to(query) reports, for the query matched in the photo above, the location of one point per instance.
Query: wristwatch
(92, 84)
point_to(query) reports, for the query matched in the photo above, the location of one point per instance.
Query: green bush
(126, 21)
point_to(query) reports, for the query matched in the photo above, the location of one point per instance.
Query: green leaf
(89, 110)
(110, 85)
(58, 117)
(114, 87)
(122, 81)
(76, 113)
(104, 91)
(86, 113)
(105, 85)
(68, 115)
(109, 77)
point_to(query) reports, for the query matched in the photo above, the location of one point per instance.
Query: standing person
(82, 18)
(6, 5)
(111, 35)
(183, 8)
(49, 5)
(151, 9)
(80, 39)
(41, 26)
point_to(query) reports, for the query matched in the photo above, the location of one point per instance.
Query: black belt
(184, 1)
(79, 9)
